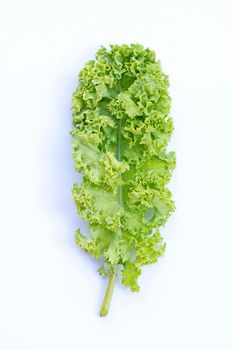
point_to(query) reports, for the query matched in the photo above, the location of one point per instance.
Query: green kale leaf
(121, 129)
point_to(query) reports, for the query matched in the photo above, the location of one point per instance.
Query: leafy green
(121, 128)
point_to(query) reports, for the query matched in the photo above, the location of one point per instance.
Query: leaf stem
(108, 295)
(112, 279)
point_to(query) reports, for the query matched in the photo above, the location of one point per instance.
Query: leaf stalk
(109, 292)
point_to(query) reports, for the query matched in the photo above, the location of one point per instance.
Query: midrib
(119, 152)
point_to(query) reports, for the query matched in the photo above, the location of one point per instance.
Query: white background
(50, 292)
